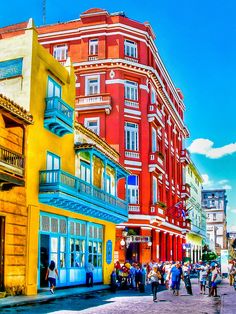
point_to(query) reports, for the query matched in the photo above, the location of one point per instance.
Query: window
(131, 49)
(153, 96)
(131, 90)
(92, 85)
(93, 125)
(93, 47)
(133, 190)
(154, 191)
(154, 140)
(60, 52)
(131, 136)
(53, 163)
(214, 216)
(85, 172)
(54, 89)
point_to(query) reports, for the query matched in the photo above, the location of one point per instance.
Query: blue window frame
(85, 172)
(53, 163)
(54, 89)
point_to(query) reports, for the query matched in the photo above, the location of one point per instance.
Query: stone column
(156, 245)
(145, 250)
(174, 248)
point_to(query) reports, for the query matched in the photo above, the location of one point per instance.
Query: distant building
(196, 237)
(214, 202)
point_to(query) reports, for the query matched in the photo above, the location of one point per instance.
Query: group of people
(136, 276)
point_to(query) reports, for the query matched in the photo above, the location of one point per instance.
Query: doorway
(2, 245)
(44, 258)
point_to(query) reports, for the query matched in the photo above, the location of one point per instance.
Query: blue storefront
(71, 243)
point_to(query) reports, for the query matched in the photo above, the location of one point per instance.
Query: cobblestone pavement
(128, 301)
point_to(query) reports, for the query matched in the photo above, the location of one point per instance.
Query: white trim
(115, 81)
(77, 84)
(130, 168)
(132, 163)
(136, 112)
(132, 117)
(92, 74)
(146, 228)
(145, 87)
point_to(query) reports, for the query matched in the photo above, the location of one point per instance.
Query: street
(128, 301)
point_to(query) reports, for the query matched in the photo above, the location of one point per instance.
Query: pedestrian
(176, 274)
(154, 276)
(214, 273)
(232, 270)
(187, 281)
(202, 279)
(113, 283)
(89, 268)
(132, 275)
(142, 279)
(138, 276)
(51, 275)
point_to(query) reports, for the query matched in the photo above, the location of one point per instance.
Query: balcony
(58, 116)
(131, 59)
(185, 192)
(131, 104)
(155, 113)
(61, 189)
(185, 157)
(11, 169)
(132, 154)
(134, 208)
(94, 102)
(156, 162)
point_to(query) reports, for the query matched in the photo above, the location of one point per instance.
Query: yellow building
(74, 184)
(13, 210)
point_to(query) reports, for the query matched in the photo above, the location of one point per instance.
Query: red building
(125, 94)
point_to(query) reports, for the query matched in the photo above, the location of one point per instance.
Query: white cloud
(233, 210)
(211, 184)
(205, 147)
(232, 228)
(227, 187)
(206, 181)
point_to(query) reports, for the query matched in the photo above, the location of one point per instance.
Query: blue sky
(197, 43)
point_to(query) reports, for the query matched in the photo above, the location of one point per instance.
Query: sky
(197, 43)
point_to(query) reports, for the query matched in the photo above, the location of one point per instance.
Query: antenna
(44, 11)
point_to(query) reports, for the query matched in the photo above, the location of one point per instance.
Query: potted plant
(161, 204)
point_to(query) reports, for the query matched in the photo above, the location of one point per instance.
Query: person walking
(202, 279)
(154, 276)
(51, 275)
(176, 274)
(89, 268)
(187, 281)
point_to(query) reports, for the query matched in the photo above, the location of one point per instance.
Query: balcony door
(54, 89)
(2, 244)
(53, 164)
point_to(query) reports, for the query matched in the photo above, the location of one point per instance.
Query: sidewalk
(228, 299)
(45, 296)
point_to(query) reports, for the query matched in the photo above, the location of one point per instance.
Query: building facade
(196, 238)
(14, 121)
(214, 203)
(125, 95)
(74, 185)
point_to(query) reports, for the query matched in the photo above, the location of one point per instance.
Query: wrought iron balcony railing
(11, 161)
